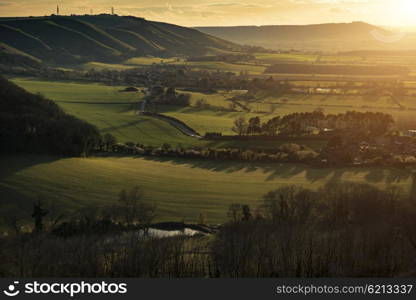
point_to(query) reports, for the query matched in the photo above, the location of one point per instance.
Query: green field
(273, 58)
(299, 57)
(99, 66)
(205, 120)
(182, 189)
(71, 92)
(219, 99)
(334, 104)
(114, 112)
(110, 110)
(227, 67)
(257, 66)
(149, 60)
(209, 65)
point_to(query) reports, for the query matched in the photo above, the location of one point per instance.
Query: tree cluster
(376, 70)
(285, 153)
(169, 96)
(301, 124)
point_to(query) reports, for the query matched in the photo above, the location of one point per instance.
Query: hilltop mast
(112, 10)
(57, 10)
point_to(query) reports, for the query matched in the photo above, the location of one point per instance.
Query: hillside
(11, 57)
(321, 36)
(105, 38)
(32, 124)
(182, 189)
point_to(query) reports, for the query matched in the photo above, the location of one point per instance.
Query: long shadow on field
(117, 128)
(189, 110)
(11, 164)
(93, 103)
(14, 203)
(312, 174)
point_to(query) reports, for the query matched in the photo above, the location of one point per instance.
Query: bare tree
(234, 212)
(134, 210)
(240, 125)
(109, 141)
(38, 214)
(146, 215)
(128, 203)
(273, 108)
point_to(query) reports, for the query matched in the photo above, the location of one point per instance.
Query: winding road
(178, 125)
(182, 127)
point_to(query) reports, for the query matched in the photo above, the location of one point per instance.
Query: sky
(395, 13)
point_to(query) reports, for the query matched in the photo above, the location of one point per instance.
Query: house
(411, 133)
(327, 131)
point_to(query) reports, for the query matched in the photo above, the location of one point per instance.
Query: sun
(407, 7)
(402, 11)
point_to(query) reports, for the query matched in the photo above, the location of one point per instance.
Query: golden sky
(231, 12)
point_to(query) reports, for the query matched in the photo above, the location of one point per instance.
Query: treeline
(305, 123)
(340, 230)
(348, 149)
(31, 123)
(337, 69)
(202, 104)
(356, 139)
(230, 58)
(284, 153)
(159, 95)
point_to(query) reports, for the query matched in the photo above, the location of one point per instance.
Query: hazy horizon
(233, 13)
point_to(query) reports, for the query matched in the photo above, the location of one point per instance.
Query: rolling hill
(342, 36)
(182, 189)
(10, 56)
(34, 124)
(104, 38)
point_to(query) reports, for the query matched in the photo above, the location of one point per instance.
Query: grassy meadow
(182, 189)
(99, 66)
(257, 66)
(114, 112)
(261, 61)
(149, 60)
(251, 68)
(109, 109)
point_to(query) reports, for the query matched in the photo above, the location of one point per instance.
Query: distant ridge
(106, 38)
(312, 36)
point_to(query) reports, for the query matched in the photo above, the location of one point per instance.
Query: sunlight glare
(406, 11)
